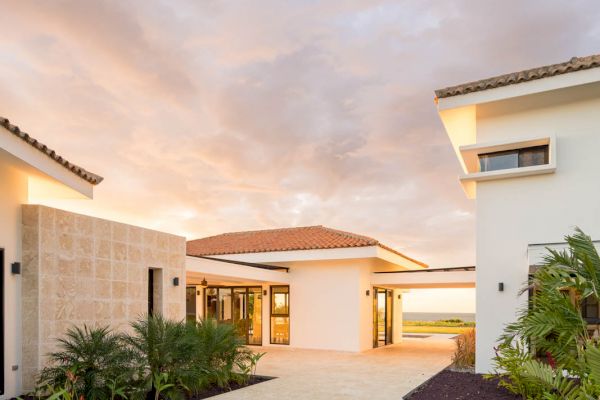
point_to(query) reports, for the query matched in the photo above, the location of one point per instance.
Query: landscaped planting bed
(451, 385)
(214, 391)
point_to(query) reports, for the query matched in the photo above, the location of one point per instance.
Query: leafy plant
(165, 350)
(553, 328)
(464, 354)
(219, 353)
(88, 360)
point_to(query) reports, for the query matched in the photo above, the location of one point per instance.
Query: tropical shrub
(160, 359)
(91, 362)
(165, 351)
(547, 352)
(220, 353)
(464, 354)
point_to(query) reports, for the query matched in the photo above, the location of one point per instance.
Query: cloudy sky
(213, 116)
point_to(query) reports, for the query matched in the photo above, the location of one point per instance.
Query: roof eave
(556, 82)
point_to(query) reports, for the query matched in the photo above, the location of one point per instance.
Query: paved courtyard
(385, 373)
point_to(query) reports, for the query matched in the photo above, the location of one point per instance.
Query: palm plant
(165, 348)
(553, 326)
(88, 362)
(219, 353)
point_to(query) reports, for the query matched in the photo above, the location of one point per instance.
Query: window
(280, 315)
(518, 158)
(589, 310)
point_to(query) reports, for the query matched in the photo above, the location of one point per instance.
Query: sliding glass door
(280, 315)
(382, 316)
(240, 306)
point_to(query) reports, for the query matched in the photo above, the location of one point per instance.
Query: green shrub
(92, 362)
(464, 354)
(552, 327)
(165, 351)
(160, 359)
(219, 353)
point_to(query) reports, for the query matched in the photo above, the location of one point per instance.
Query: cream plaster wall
(83, 270)
(513, 213)
(13, 193)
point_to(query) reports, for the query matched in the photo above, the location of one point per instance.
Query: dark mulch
(208, 392)
(234, 386)
(451, 385)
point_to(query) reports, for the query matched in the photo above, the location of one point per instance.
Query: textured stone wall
(83, 270)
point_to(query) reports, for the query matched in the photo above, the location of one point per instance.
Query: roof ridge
(289, 243)
(256, 231)
(350, 234)
(572, 65)
(77, 170)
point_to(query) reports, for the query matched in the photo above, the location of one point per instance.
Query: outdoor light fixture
(368, 293)
(501, 286)
(204, 283)
(15, 268)
(176, 281)
(265, 292)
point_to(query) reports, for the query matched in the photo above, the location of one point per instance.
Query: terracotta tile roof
(77, 170)
(301, 238)
(574, 64)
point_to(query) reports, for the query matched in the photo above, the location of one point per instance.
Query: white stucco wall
(13, 193)
(324, 299)
(513, 213)
(329, 305)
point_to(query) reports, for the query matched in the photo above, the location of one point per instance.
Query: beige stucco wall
(13, 192)
(83, 270)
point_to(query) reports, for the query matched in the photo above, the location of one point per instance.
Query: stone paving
(385, 373)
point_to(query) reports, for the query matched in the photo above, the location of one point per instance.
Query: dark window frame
(205, 306)
(271, 315)
(519, 152)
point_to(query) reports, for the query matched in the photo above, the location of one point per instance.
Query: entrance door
(382, 317)
(240, 306)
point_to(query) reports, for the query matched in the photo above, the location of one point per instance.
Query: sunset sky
(214, 116)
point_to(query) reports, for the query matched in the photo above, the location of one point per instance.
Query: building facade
(58, 268)
(528, 146)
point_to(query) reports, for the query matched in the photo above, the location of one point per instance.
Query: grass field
(434, 329)
(447, 326)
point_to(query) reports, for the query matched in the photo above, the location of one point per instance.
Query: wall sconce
(501, 286)
(176, 281)
(15, 268)
(265, 292)
(368, 292)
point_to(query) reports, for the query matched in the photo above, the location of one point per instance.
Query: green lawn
(434, 329)
(454, 326)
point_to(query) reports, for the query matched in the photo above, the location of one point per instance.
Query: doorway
(382, 316)
(1, 321)
(240, 306)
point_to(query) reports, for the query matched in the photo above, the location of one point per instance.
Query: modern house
(528, 145)
(58, 268)
(308, 287)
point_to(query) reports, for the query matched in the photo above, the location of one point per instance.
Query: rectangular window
(518, 158)
(280, 315)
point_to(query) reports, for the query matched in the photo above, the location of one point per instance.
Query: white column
(397, 318)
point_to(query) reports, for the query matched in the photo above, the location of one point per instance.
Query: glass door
(382, 316)
(255, 316)
(240, 306)
(190, 303)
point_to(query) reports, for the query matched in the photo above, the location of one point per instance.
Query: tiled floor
(384, 373)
